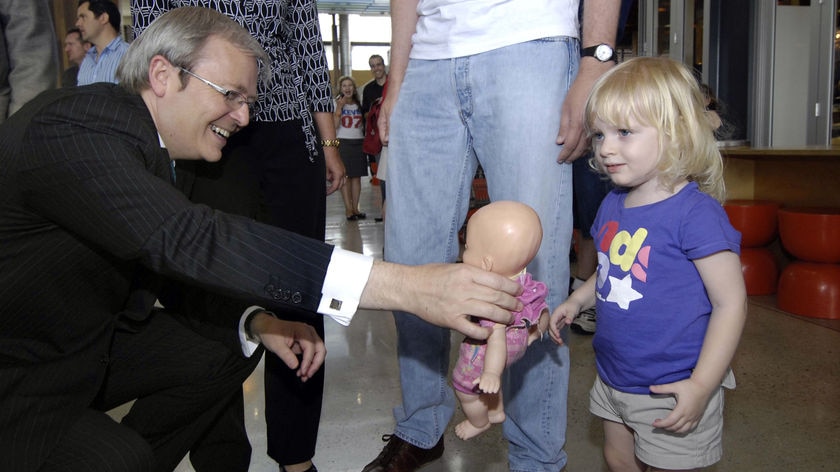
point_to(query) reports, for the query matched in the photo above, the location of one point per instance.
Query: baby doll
(502, 237)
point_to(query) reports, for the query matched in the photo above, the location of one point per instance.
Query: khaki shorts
(657, 447)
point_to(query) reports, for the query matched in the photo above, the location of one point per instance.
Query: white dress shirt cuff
(346, 278)
(248, 345)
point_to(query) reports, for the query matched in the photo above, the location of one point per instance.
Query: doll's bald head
(503, 237)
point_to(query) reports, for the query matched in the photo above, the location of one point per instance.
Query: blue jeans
(500, 109)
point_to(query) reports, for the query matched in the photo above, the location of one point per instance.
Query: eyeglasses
(234, 98)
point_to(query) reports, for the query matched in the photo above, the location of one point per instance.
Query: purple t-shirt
(652, 307)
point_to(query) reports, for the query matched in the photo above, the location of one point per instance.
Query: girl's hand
(692, 399)
(562, 317)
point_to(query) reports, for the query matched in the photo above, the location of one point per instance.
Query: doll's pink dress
(471, 354)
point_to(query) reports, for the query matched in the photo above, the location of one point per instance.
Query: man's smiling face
(196, 121)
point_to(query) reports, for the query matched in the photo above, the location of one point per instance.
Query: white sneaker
(584, 322)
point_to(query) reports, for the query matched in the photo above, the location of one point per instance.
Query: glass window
(368, 35)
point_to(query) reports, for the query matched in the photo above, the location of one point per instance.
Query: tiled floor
(784, 415)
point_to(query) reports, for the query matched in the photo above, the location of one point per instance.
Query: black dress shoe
(311, 469)
(400, 456)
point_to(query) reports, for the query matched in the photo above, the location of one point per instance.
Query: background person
(75, 49)
(349, 124)
(28, 53)
(99, 21)
(372, 91)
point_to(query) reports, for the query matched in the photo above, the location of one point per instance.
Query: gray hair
(179, 35)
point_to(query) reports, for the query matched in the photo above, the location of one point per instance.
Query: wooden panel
(739, 176)
(808, 176)
(799, 183)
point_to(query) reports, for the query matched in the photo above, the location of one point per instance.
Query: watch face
(603, 53)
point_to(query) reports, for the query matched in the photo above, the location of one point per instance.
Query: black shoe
(400, 456)
(585, 322)
(360, 216)
(352, 217)
(311, 469)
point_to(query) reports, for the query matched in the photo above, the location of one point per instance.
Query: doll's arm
(724, 282)
(541, 327)
(580, 299)
(494, 360)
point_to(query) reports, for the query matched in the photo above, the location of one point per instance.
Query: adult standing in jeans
(291, 146)
(502, 85)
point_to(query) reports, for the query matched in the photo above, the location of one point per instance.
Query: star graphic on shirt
(621, 291)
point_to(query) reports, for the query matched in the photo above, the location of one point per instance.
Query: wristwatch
(602, 52)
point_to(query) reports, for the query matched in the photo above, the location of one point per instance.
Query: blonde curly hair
(663, 93)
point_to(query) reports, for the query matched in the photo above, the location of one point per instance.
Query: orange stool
(756, 220)
(810, 289)
(811, 234)
(760, 270)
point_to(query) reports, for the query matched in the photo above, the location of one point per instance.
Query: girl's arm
(724, 282)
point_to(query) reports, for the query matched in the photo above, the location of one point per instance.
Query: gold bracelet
(330, 142)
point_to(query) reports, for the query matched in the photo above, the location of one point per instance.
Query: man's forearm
(403, 24)
(600, 22)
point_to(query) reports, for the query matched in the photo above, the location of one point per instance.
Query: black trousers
(182, 383)
(265, 173)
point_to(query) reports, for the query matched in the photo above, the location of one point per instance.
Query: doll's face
(503, 237)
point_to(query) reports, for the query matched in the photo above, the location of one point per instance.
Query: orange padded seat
(760, 271)
(810, 289)
(755, 219)
(811, 234)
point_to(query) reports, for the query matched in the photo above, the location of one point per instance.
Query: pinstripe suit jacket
(85, 200)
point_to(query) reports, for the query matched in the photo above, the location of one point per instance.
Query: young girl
(669, 291)
(349, 125)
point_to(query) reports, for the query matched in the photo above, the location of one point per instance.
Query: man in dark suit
(90, 220)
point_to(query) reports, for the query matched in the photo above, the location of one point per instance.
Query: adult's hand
(290, 340)
(335, 169)
(572, 134)
(384, 120)
(443, 294)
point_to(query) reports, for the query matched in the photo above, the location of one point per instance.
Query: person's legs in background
(266, 174)
(356, 166)
(381, 174)
(589, 189)
(294, 198)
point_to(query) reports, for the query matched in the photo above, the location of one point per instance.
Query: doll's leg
(496, 409)
(482, 411)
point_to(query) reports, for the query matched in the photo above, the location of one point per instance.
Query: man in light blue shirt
(99, 22)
